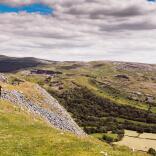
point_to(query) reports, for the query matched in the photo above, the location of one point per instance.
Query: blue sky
(37, 7)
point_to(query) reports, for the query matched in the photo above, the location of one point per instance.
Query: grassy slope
(118, 100)
(140, 80)
(87, 74)
(24, 135)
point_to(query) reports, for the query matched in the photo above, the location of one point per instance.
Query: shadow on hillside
(12, 64)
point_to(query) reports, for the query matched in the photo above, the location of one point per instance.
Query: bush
(118, 131)
(152, 152)
(108, 138)
(140, 130)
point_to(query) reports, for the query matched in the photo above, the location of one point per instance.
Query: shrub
(118, 131)
(152, 152)
(140, 130)
(108, 138)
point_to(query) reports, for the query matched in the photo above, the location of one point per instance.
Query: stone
(3, 78)
(150, 99)
(59, 118)
(46, 72)
(123, 76)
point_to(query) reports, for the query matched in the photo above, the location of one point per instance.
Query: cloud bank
(122, 30)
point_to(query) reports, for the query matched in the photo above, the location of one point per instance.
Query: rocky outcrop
(135, 66)
(3, 78)
(139, 96)
(58, 118)
(122, 76)
(45, 72)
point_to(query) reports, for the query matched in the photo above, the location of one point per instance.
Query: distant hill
(11, 64)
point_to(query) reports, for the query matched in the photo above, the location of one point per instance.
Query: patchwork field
(140, 142)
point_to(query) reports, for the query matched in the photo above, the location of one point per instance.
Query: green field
(138, 141)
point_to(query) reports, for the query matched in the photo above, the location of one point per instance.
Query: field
(137, 141)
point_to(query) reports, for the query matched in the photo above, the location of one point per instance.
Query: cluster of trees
(97, 114)
(140, 128)
(111, 124)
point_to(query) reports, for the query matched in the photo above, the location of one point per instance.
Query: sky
(31, 8)
(79, 30)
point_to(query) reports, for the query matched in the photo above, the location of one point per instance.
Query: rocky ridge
(58, 118)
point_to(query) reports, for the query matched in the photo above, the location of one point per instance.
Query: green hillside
(22, 134)
(104, 98)
(101, 96)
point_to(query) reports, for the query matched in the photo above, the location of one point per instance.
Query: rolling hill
(101, 97)
(25, 132)
(12, 64)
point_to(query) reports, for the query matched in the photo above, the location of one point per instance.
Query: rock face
(58, 118)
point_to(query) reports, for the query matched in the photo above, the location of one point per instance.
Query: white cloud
(82, 30)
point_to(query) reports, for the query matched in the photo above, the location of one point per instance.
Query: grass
(86, 82)
(82, 76)
(22, 134)
(105, 72)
